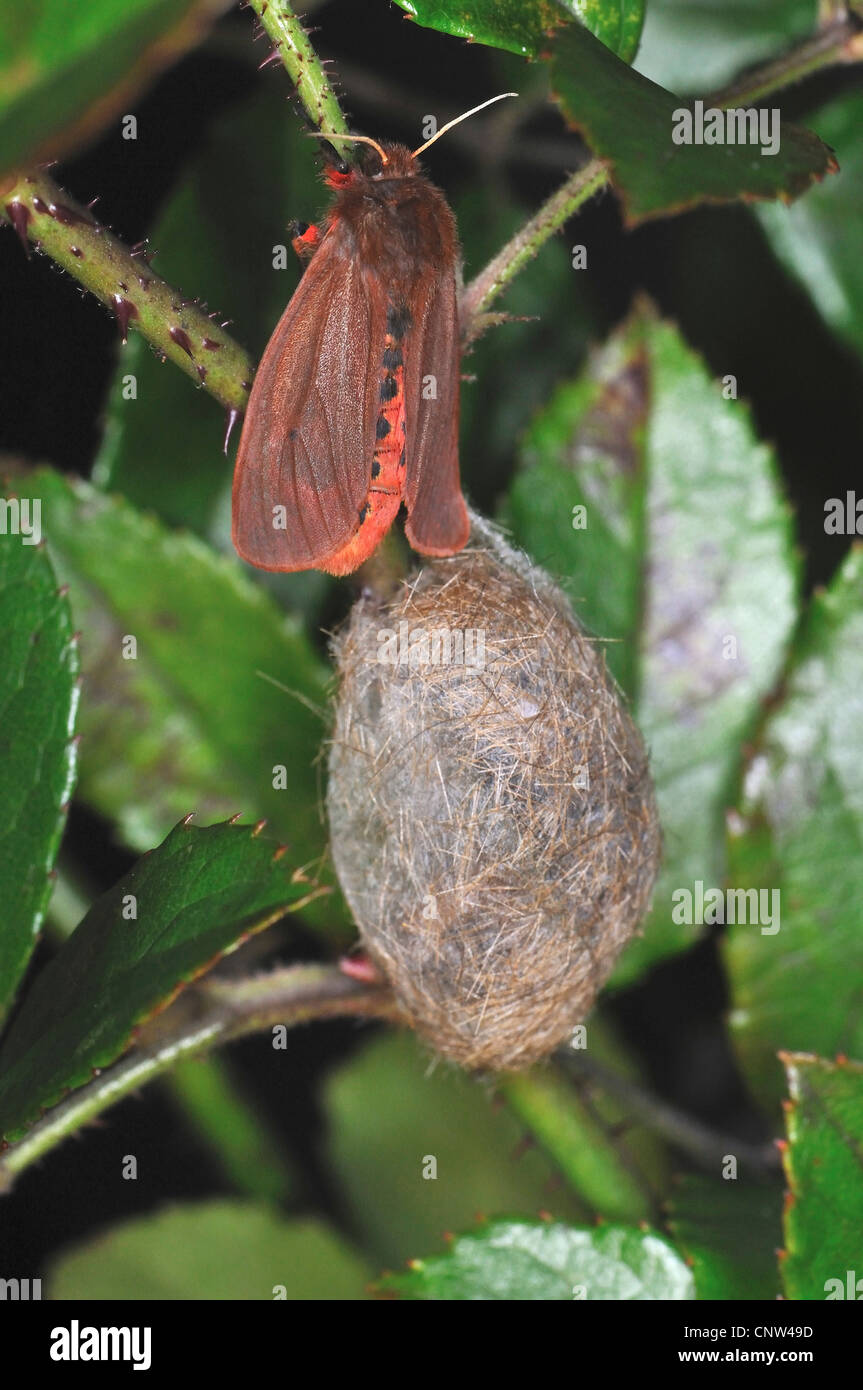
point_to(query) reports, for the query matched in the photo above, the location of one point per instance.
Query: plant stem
(838, 42)
(703, 1144)
(582, 1141)
(205, 1016)
(523, 247)
(304, 67)
(42, 213)
(203, 1087)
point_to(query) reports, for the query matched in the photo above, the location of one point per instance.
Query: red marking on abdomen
(387, 478)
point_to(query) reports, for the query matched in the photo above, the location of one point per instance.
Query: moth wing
(308, 439)
(437, 521)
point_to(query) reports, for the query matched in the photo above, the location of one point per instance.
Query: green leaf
(685, 567)
(798, 833)
(193, 722)
(823, 1161)
(211, 1251)
(629, 121)
(524, 26)
(38, 699)
(817, 240)
(730, 1233)
(194, 898)
(390, 1114)
(68, 69)
(522, 1260)
(698, 47)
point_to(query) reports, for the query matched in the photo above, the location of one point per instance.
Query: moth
(355, 406)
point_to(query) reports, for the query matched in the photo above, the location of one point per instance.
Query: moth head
(370, 161)
(376, 161)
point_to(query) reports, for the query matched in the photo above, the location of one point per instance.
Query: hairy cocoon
(493, 824)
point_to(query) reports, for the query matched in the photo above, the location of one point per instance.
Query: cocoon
(492, 816)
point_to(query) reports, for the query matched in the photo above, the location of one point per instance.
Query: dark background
(709, 270)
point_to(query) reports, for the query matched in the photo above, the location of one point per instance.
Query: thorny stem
(305, 69)
(840, 41)
(523, 247)
(42, 213)
(207, 1015)
(705, 1145)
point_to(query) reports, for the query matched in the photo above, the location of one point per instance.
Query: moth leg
(359, 966)
(305, 240)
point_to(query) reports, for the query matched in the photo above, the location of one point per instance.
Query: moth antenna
(455, 121)
(358, 139)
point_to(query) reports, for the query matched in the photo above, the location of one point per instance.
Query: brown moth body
(354, 409)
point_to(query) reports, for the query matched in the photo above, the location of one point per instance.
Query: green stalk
(45, 216)
(302, 64)
(234, 1133)
(205, 1016)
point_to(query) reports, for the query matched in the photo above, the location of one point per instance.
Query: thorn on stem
(125, 310)
(181, 338)
(231, 418)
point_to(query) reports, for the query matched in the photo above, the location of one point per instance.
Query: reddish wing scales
(355, 404)
(437, 522)
(299, 430)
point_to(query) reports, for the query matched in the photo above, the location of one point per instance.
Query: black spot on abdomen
(398, 321)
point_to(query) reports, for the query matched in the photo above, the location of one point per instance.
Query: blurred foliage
(824, 1212)
(67, 69)
(212, 1250)
(38, 698)
(199, 695)
(522, 1260)
(729, 1232)
(380, 1151)
(798, 832)
(644, 489)
(816, 238)
(696, 47)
